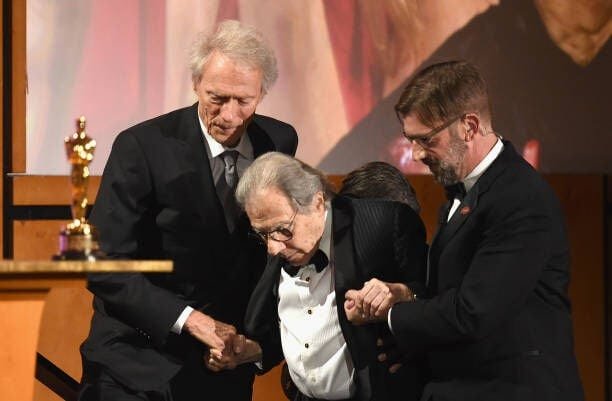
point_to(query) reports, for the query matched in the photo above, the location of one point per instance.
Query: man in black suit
(496, 324)
(167, 193)
(319, 247)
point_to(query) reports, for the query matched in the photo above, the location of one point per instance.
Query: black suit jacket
(498, 326)
(371, 239)
(157, 200)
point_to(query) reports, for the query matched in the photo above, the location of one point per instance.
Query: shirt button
(306, 345)
(310, 311)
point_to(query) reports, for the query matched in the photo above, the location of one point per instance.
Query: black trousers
(187, 385)
(103, 387)
(301, 397)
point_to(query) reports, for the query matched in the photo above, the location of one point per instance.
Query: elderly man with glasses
(320, 246)
(496, 322)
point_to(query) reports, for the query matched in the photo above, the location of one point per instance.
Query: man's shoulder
(376, 212)
(509, 170)
(283, 135)
(380, 205)
(515, 184)
(167, 122)
(268, 123)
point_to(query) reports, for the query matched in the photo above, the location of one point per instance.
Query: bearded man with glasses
(496, 322)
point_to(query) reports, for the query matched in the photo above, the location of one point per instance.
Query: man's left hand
(373, 301)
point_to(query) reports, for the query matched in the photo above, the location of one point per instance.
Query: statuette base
(78, 246)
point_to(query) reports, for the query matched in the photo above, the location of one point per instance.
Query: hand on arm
(372, 302)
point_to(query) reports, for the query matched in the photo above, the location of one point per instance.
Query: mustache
(428, 161)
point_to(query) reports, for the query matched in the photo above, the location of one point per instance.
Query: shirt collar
(244, 146)
(472, 177)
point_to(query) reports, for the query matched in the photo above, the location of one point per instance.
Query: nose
(418, 153)
(274, 247)
(229, 110)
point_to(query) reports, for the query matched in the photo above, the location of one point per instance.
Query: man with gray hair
(319, 247)
(167, 193)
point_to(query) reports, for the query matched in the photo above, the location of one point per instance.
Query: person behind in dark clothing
(380, 180)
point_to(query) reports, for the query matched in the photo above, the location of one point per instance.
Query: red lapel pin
(465, 210)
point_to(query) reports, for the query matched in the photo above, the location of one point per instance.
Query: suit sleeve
(293, 143)
(123, 213)
(261, 319)
(512, 250)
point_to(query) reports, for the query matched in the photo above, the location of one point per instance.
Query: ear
(471, 124)
(319, 201)
(195, 83)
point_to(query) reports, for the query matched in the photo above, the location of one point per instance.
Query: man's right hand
(217, 335)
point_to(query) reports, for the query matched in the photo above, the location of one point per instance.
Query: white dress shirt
(313, 344)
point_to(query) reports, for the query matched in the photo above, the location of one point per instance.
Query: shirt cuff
(177, 327)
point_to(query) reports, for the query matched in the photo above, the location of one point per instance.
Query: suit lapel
(346, 272)
(347, 275)
(463, 212)
(466, 209)
(262, 311)
(207, 201)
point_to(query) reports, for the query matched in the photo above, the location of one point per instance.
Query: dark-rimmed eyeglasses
(424, 140)
(279, 234)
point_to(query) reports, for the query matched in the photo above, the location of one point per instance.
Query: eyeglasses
(279, 234)
(424, 140)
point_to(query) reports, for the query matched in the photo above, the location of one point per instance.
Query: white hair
(241, 43)
(297, 180)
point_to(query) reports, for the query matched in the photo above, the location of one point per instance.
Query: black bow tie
(319, 260)
(455, 191)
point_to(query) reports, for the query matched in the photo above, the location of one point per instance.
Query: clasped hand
(372, 302)
(229, 357)
(226, 348)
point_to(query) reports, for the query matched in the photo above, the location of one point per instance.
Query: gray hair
(294, 178)
(241, 43)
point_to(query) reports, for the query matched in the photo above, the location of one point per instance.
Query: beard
(445, 171)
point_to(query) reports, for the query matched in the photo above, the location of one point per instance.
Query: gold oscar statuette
(78, 240)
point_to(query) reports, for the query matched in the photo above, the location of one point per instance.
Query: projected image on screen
(342, 65)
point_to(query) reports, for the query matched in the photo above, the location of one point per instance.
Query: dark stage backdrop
(342, 65)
